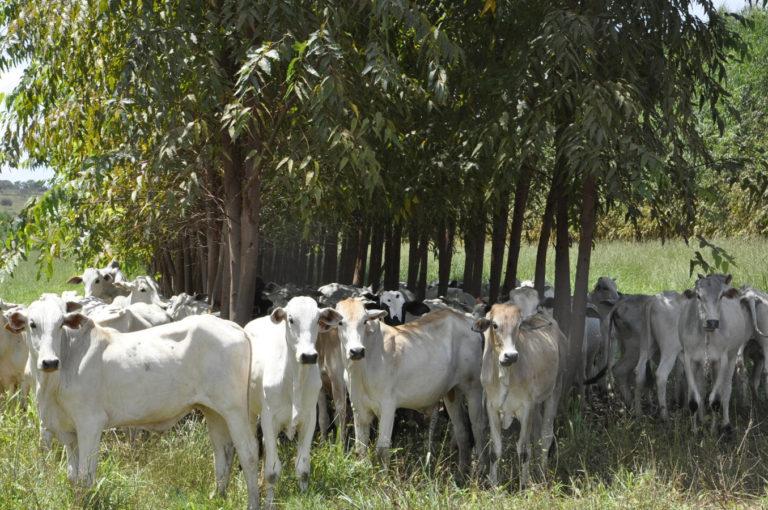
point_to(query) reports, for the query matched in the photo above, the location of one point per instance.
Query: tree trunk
(522, 189)
(311, 264)
(413, 255)
(469, 260)
(215, 298)
(476, 284)
(562, 307)
(330, 253)
(186, 260)
(546, 229)
(249, 247)
(498, 238)
(361, 255)
(347, 263)
(212, 245)
(375, 264)
(421, 284)
(445, 254)
(226, 283)
(578, 312)
(233, 205)
(392, 257)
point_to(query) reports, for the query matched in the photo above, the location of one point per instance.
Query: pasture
(605, 459)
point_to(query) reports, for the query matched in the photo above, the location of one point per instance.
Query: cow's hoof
(693, 405)
(715, 405)
(726, 432)
(304, 482)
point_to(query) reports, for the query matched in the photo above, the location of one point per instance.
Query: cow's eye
(341, 322)
(32, 325)
(106, 278)
(495, 326)
(290, 320)
(97, 280)
(143, 290)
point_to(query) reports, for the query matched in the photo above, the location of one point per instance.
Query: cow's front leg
(272, 465)
(88, 439)
(362, 419)
(384, 441)
(494, 426)
(524, 446)
(694, 398)
(306, 431)
(70, 447)
(725, 425)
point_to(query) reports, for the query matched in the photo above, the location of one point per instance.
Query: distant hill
(14, 195)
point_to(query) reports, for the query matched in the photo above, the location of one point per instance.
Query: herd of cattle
(122, 355)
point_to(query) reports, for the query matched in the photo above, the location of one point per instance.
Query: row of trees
(222, 141)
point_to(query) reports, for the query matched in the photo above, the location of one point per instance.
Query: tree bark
(544, 234)
(233, 209)
(498, 239)
(330, 254)
(469, 259)
(522, 189)
(375, 264)
(347, 258)
(226, 283)
(562, 307)
(212, 246)
(476, 284)
(392, 257)
(413, 255)
(249, 243)
(445, 254)
(361, 255)
(421, 284)
(578, 312)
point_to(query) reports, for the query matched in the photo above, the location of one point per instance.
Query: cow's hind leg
(692, 377)
(223, 450)
(247, 447)
(665, 367)
(306, 431)
(478, 420)
(454, 406)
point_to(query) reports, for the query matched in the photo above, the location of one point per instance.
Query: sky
(11, 78)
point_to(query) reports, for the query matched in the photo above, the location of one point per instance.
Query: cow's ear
(700, 276)
(416, 308)
(481, 325)
(731, 293)
(728, 279)
(372, 315)
(75, 280)
(278, 315)
(127, 286)
(75, 320)
(114, 264)
(689, 293)
(73, 306)
(609, 302)
(548, 303)
(329, 318)
(534, 322)
(17, 321)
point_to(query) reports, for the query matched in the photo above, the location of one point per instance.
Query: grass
(606, 459)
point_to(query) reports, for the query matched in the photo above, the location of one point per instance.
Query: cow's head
(605, 291)
(303, 319)
(708, 292)
(43, 321)
(356, 324)
(100, 283)
(502, 329)
(393, 301)
(143, 289)
(526, 299)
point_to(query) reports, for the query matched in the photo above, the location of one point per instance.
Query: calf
(285, 380)
(714, 325)
(520, 376)
(89, 378)
(412, 366)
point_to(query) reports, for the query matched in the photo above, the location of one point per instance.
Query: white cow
(13, 359)
(520, 376)
(100, 283)
(714, 326)
(91, 378)
(143, 289)
(183, 305)
(285, 380)
(412, 366)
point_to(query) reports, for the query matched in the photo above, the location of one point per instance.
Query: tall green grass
(605, 459)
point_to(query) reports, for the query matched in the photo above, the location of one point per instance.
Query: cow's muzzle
(711, 325)
(357, 353)
(508, 358)
(49, 365)
(308, 358)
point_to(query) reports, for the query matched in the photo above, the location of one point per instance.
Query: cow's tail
(597, 377)
(753, 311)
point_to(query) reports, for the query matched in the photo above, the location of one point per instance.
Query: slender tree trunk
(361, 255)
(562, 307)
(498, 238)
(347, 264)
(546, 229)
(469, 260)
(476, 284)
(375, 264)
(522, 189)
(249, 242)
(233, 204)
(445, 254)
(421, 284)
(212, 246)
(392, 257)
(578, 313)
(226, 283)
(186, 261)
(413, 255)
(330, 252)
(311, 264)
(222, 261)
